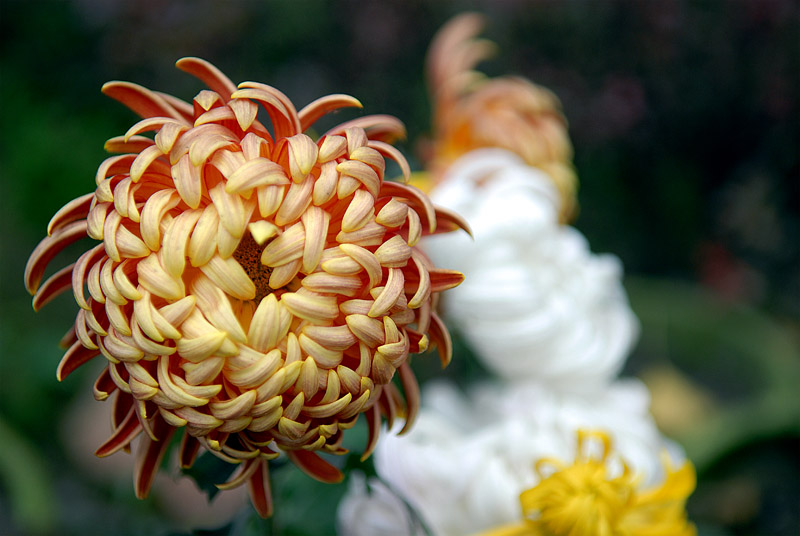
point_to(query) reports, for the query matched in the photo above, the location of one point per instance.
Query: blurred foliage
(684, 117)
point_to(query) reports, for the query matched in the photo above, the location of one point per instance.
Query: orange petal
(149, 455)
(316, 109)
(141, 100)
(260, 493)
(55, 285)
(442, 279)
(447, 221)
(76, 356)
(373, 416)
(411, 390)
(391, 151)
(188, 451)
(316, 467)
(103, 386)
(417, 200)
(74, 210)
(49, 248)
(378, 127)
(441, 337)
(127, 430)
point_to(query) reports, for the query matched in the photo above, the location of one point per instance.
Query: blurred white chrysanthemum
(370, 508)
(463, 469)
(536, 302)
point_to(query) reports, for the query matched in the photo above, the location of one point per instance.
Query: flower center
(248, 255)
(581, 499)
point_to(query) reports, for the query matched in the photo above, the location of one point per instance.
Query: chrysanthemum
(471, 111)
(586, 497)
(257, 289)
(469, 457)
(537, 303)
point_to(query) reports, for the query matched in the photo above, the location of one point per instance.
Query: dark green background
(684, 117)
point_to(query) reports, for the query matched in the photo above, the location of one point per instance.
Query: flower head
(471, 112)
(537, 303)
(469, 457)
(586, 498)
(257, 289)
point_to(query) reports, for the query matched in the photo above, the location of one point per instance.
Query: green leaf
(748, 359)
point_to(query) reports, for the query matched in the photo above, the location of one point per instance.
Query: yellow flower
(471, 112)
(585, 499)
(257, 289)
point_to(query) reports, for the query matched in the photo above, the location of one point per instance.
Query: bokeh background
(684, 117)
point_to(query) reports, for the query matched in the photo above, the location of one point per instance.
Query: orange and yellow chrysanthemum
(257, 289)
(471, 111)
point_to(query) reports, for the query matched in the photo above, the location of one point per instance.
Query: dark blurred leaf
(27, 483)
(221, 531)
(208, 471)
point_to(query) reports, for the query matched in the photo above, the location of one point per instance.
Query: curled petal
(209, 74)
(390, 151)
(76, 356)
(265, 327)
(72, 211)
(53, 286)
(128, 429)
(154, 278)
(359, 212)
(188, 181)
(311, 308)
(297, 199)
(367, 329)
(303, 154)
(366, 259)
(378, 127)
(315, 467)
(414, 195)
(331, 147)
(374, 428)
(203, 242)
(313, 111)
(442, 280)
(393, 214)
(230, 277)
(149, 455)
(256, 172)
(411, 390)
(447, 221)
(394, 252)
(49, 248)
(315, 222)
(391, 292)
(141, 100)
(154, 210)
(362, 173)
(260, 494)
(245, 112)
(287, 247)
(135, 144)
(369, 235)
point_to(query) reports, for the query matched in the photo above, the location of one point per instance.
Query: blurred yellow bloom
(585, 499)
(471, 111)
(258, 289)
